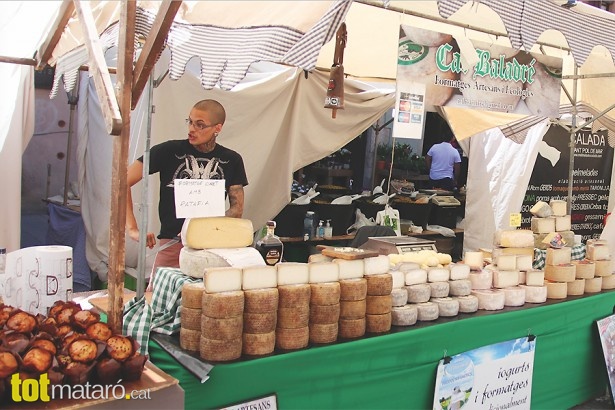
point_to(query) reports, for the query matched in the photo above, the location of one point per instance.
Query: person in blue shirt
(444, 163)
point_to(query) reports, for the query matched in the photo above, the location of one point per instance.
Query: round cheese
(565, 272)
(474, 259)
(293, 317)
(223, 304)
(514, 296)
(608, 282)
(261, 300)
(467, 304)
(258, 344)
(326, 293)
(535, 294)
(399, 279)
(593, 285)
(351, 328)
(378, 305)
(352, 309)
(604, 267)
(403, 315)
(447, 307)
(292, 339)
(324, 314)
(439, 289)
(556, 290)
(189, 339)
(192, 294)
(376, 265)
(259, 322)
(323, 333)
(399, 297)
(459, 271)
(418, 293)
(378, 323)
(190, 318)
(220, 350)
(481, 279)
(427, 311)
(577, 287)
(462, 287)
(489, 299)
(438, 275)
(584, 269)
(379, 285)
(294, 295)
(353, 289)
(416, 277)
(221, 329)
(194, 262)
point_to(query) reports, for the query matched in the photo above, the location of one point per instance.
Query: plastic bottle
(308, 226)
(328, 229)
(320, 233)
(2, 260)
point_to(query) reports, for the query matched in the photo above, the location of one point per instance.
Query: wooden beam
(17, 60)
(55, 33)
(119, 186)
(98, 69)
(153, 47)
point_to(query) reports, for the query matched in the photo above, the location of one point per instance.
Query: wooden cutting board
(346, 252)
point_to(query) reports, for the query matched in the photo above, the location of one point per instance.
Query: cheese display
(294, 295)
(543, 225)
(189, 339)
(459, 271)
(418, 293)
(576, 287)
(534, 278)
(438, 275)
(461, 287)
(518, 238)
(222, 280)
(604, 267)
(416, 276)
(608, 282)
(192, 295)
(292, 328)
(560, 273)
(260, 322)
(190, 318)
(482, 279)
(505, 278)
(399, 279)
(376, 265)
(223, 305)
(558, 256)
(353, 289)
(293, 317)
(194, 262)
(473, 259)
(556, 290)
(322, 333)
(215, 350)
(352, 309)
(379, 285)
(447, 307)
(541, 209)
(258, 344)
(467, 304)
(399, 297)
(489, 299)
(325, 293)
(593, 285)
(535, 294)
(563, 223)
(404, 315)
(375, 323)
(323, 272)
(427, 311)
(350, 269)
(217, 232)
(261, 300)
(259, 277)
(378, 305)
(439, 289)
(324, 314)
(292, 273)
(351, 328)
(222, 328)
(559, 207)
(292, 338)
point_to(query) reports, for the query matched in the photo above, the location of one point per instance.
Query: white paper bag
(389, 217)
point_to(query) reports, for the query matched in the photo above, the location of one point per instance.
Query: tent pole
(572, 138)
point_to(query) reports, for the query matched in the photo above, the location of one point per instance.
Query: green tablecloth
(398, 370)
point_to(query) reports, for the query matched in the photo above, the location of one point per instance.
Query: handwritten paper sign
(515, 219)
(195, 198)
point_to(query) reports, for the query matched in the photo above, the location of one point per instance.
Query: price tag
(195, 198)
(515, 220)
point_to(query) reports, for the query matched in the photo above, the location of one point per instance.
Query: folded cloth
(540, 255)
(163, 314)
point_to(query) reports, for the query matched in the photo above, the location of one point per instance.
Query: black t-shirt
(178, 159)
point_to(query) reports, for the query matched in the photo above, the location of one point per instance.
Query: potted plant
(383, 155)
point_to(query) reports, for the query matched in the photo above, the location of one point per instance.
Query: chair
(365, 232)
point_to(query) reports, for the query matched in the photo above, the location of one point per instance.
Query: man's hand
(150, 238)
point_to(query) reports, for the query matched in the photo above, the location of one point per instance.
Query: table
(298, 250)
(397, 370)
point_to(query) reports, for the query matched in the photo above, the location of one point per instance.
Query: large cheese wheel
(192, 294)
(259, 277)
(459, 271)
(324, 314)
(514, 296)
(439, 289)
(325, 293)
(608, 282)
(447, 307)
(404, 315)
(556, 290)
(604, 267)
(220, 350)
(258, 344)
(535, 278)
(467, 304)
(560, 273)
(189, 339)
(558, 256)
(399, 297)
(427, 311)
(535, 294)
(352, 309)
(520, 238)
(489, 299)
(378, 305)
(353, 289)
(292, 339)
(593, 285)
(577, 287)
(261, 300)
(217, 232)
(379, 285)
(323, 333)
(378, 323)
(462, 287)
(259, 322)
(190, 318)
(351, 328)
(194, 262)
(293, 317)
(418, 293)
(221, 328)
(481, 279)
(597, 252)
(584, 269)
(399, 279)
(223, 305)
(294, 295)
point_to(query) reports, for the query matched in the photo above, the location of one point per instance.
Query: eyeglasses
(199, 125)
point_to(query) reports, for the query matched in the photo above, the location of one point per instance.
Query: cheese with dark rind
(379, 285)
(220, 350)
(353, 309)
(323, 333)
(221, 328)
(404, 315)
(378, 323)
(378, 305)
(293, 317)
(351, 328)
(353, 289)
(324, 314)
(190, 318)
(327, 293)
(224, 304)
(259, 322)
(192, 294)
(261, 300)
(292, 339)
(189, 339)
(258, 344)
(294, 295)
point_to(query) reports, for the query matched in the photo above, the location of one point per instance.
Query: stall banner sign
(497, 376)
(198, 198)
(606, 329)
(503, 79)
(593, 163)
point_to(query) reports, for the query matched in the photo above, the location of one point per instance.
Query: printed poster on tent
(494, 377)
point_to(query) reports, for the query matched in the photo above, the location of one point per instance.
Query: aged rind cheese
(427, 311)
(439, 289)
(541, 209)
(294, 295)
(604, 267)
(593, 285)
(506, 262)
(542, 225)
(222, 280)
(418, 293)
(534, 278)
(259, 277)
(190, 318)
(467, 304)
(352, 309)
(560, 273)
(489, 299)
(461, 287)
(379, 285)
(584, 269)
(292, 339)
(323, 272)
(353, 289)
(224, 304)
(556, 290)
(259, 322)
(576, 287)
(438, 275)
(220, 350)
(261, 300)
(324, 314)
(258, 344)
(558, 256)
(447, 307)
(350, 269)
(525, 262)
(217, 232)
(481, 279)
(518, 238)
(608, 282)
(376, 265)
(505, 278)
(514, 296)
(292, 273)
(399, 297)
(416, 276)
(378, 323)
(189, 339)
(558, 206)
(194, 262)
(325, 293)
(474, 259)
(351, 328)
(404, 315)
(459, 271)
(535, 294)
(562, 223)
(319, 257)
(378, 305)
(221, 328)
(323, 333)
(399, 279)
(293, 317)
(192, 294)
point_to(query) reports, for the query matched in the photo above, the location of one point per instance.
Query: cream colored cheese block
(560, 273)
(259, 322)
(323, 333)
(293, 273)
(416, 276)
(258, 344)
(351, 328)
(220, 350)
(474, 259)
(217, 232)
(496, 252)
(490, 299)
(584, 269)
(323, 272)
(556, 290)
(427, 311)
(541, 209)
(506, 262)
(447, 307)
(292, 339)
(189, 339)
(353, 289)
(326, 293)
(194, 262)
(379, 285)
(519, 238)
(407, 266)
(467, 304)
(596, 242)
(525, 262)
(324, 314)
(418, 293)
(439, 289)
(399, 297)
(192, 294)
(404, 315)
(438, 275)
(190, 318)
(522, 277)
(376, 265)
(399, 279)
(319, 257)
(222, 280)
(576, 287)
(562, 223)
(534, 278)
(608, 282)
(293, 317)
(535, 294)
(222, 328)
(294, 295)
(558, 256)
(223, 305)
(350, 269)
(514, 296)
(459, 271)
(353, 309)
(462, 287)
(543, 225)
(593, 285)
(604, 267)
(481, 279)
(378, 305)
(559, 207)
(261, 300)
(259, 277)
(505, 278)
(378, 323)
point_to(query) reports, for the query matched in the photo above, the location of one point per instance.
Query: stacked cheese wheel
(378, 301)
(548, 219)
(190, 316)
(353, 293)
(481, 279)
(292, 330)
(508, 271)
(324, 302)
(560, 273)
(260, 313)
(597, 251)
